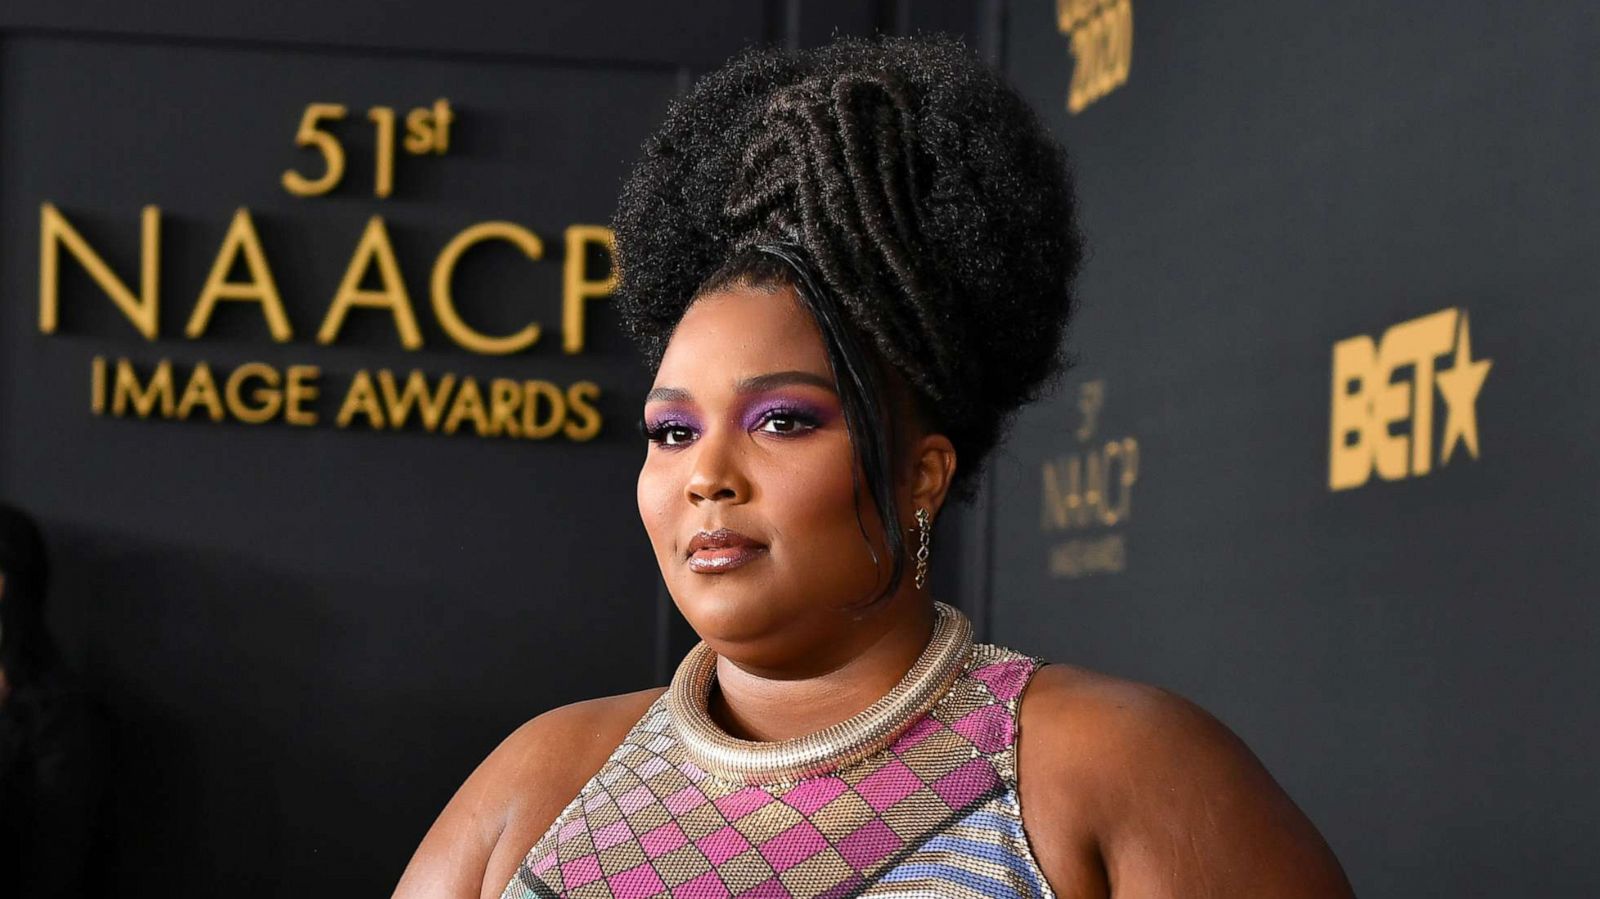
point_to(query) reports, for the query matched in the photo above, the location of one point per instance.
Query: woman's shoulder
(516, 793)
(543, 764)
(590, 719)
(1133, 783)
(1085, 707)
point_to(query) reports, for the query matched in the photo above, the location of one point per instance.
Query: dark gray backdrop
(307, 637)
(1412, 659)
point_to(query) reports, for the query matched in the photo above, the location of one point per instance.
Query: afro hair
(919, 185)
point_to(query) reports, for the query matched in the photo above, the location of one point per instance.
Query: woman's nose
(718, 472)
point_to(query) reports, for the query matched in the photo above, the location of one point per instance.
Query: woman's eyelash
(658, 433)
(804, 421)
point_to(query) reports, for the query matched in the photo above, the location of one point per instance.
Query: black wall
(308, 636)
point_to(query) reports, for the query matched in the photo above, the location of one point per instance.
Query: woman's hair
(26, 650)
(912, 199)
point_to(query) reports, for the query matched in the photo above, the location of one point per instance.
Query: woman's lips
(713, 552)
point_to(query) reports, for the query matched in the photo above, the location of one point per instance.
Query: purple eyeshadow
(799, 408)
(672, 416)
(752, 417)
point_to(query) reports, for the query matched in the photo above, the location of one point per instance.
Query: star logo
(1459, 386)
(1379, 384)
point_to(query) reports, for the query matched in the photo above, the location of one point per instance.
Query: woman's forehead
(733, 334)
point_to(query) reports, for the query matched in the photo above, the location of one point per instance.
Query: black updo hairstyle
(910, 197)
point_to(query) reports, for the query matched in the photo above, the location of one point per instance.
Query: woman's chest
(936, 813)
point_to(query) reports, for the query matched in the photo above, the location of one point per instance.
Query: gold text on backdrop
(427, 131)
(257, 392)
(1088, 493)
(1101, 32)
(373, 257)
(1367, 399)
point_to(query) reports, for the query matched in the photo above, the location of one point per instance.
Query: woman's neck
(768, 707)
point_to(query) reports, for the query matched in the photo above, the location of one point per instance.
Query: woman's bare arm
(513, 797)
(1131, 791)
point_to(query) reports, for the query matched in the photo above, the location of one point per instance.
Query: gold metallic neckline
(855, 738)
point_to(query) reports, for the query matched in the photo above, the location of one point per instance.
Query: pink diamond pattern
(925, 727)
(611, 835)
(793, 846)
(636, 883)
(883, 788)
(966, 783)
(867, 846)
(772, 889)
(572, 829)
(635, 799)
(747, 800)
(579, 872)
(723, 845)
(662, 840)
(684, 800)
(1006, 679)
(813, 794)
(989, 728)
(706, 886)
(939, 769)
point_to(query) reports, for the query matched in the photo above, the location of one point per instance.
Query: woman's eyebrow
(759, 383)
(754, 384)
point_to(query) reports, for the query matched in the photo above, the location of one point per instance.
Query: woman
(848, 268)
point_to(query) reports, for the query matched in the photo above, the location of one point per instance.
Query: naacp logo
(1385, 423)
(1087, 495)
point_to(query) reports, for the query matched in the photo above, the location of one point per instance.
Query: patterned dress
(934, 815)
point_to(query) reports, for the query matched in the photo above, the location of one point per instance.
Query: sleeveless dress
(936, 814)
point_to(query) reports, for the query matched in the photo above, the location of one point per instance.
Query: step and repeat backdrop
(307, 368)
(309, 373)
(1325, 464)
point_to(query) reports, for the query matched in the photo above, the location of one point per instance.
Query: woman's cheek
(655, 506)
(816, 507)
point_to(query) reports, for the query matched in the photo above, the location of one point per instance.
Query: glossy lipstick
(713, 552)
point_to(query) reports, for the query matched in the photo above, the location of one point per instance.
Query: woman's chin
(725, 617)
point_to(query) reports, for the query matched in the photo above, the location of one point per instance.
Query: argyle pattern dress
(936, 814)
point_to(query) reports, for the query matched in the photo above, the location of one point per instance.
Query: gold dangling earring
(924, 533)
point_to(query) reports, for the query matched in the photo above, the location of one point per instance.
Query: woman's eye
(786, 423)
(666, 433)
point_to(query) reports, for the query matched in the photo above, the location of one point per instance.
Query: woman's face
(747, 489)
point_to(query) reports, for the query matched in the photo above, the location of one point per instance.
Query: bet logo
(1380, 387)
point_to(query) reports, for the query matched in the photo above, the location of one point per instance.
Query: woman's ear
(933, 465)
